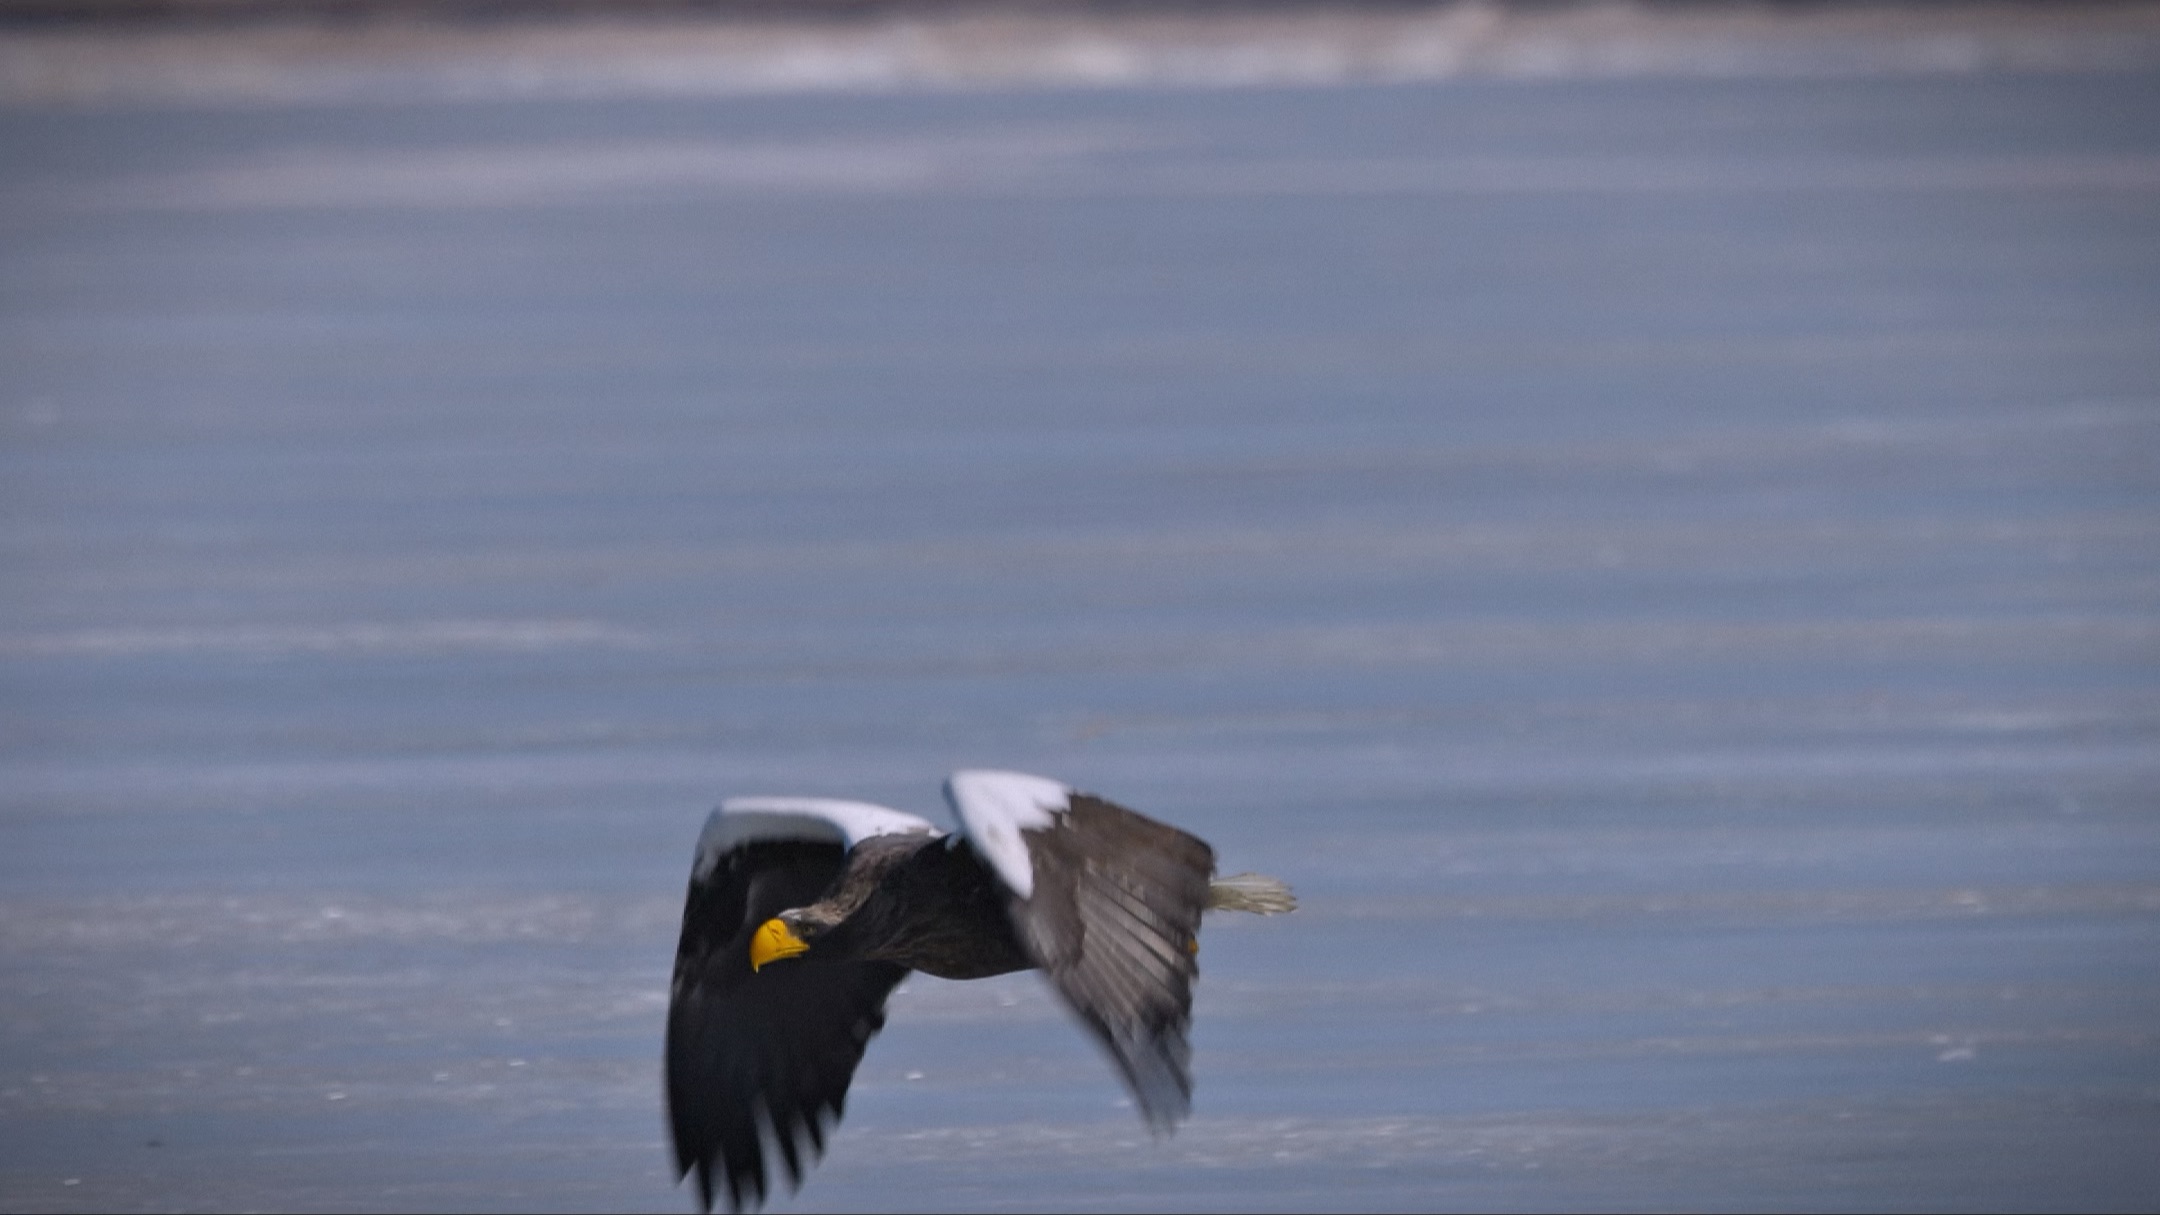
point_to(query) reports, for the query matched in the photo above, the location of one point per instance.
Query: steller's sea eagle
(804, 913)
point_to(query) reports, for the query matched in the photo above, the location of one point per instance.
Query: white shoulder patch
(740, 820)
(995, 807)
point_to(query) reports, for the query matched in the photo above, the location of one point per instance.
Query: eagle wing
(775, 1048)
(1108, 902)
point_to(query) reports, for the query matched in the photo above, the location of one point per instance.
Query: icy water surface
(1667, 569)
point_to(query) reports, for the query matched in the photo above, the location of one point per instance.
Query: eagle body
(925, 902)
(803, 914)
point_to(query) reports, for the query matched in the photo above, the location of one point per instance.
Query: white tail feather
(1252, 892)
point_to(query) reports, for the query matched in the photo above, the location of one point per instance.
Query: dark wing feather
(1114, 919)
(772, 1049)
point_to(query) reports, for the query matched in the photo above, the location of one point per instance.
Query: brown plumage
(851, 897)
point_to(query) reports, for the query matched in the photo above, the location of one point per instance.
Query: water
(1666, 568)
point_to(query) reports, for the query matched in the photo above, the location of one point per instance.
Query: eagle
(804, 913)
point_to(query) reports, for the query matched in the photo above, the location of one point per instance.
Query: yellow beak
(773, 941)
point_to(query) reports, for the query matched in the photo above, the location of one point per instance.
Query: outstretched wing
(774, 1048)
(1108, 902)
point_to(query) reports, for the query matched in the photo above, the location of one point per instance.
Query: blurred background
(1645, 514)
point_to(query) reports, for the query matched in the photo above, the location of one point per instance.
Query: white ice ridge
(358, 637)
(740, 820)
(995, 807)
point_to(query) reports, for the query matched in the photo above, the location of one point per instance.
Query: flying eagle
(804, 914)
